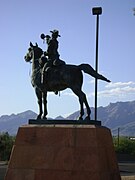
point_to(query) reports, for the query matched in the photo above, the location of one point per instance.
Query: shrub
(6, 144)
(125, 145)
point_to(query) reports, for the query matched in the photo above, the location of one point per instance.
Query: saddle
(51, 70)
(58, 62)
(52, 64)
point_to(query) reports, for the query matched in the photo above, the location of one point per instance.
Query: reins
(30, 67)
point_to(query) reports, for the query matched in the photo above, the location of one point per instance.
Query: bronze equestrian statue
(58, 78)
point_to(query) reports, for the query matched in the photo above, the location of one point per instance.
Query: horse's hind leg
(79, 94)
(82, 99)
(45, 104)
(87, 106)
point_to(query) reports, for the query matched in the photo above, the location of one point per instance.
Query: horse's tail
(89, 70)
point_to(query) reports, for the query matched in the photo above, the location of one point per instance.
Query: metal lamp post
(96, 11)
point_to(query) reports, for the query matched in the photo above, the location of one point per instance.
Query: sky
(24, 21)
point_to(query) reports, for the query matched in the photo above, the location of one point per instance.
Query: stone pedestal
(63, 152)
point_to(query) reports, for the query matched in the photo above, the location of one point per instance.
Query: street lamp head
(96, 10)
(134, 11)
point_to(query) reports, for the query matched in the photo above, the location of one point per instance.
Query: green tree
(6, 144)
(125, 145)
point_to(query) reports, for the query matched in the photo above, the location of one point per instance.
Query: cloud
(68, 94)
(119, 89)
(91, 81)
(120, 84)
(123, 91)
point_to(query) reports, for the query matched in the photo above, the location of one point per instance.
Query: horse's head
(34, 52)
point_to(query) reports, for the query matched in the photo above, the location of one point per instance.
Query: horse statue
(58, 79)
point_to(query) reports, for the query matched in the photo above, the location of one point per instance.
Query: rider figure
(52, 49)
(52, 52)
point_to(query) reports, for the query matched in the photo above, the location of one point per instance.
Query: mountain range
(119, 115)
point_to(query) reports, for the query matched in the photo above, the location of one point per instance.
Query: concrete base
(63, 152)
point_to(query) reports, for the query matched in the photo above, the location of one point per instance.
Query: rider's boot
(43, 78)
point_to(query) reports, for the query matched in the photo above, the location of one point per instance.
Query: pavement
(3, 168)
(127, 170)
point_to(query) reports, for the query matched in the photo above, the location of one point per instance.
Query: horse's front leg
(45, 105)
(39, 97)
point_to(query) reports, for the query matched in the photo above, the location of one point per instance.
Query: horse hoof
(87, 118)
(44, 118)
(80, 119)
(38, 117)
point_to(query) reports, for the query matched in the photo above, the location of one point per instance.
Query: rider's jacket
(52, 50)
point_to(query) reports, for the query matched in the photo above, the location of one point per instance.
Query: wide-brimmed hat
(55, 32)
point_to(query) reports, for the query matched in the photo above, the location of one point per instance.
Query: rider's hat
(55, 32)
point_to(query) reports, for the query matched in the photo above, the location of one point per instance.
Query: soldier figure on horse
(51, 53)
